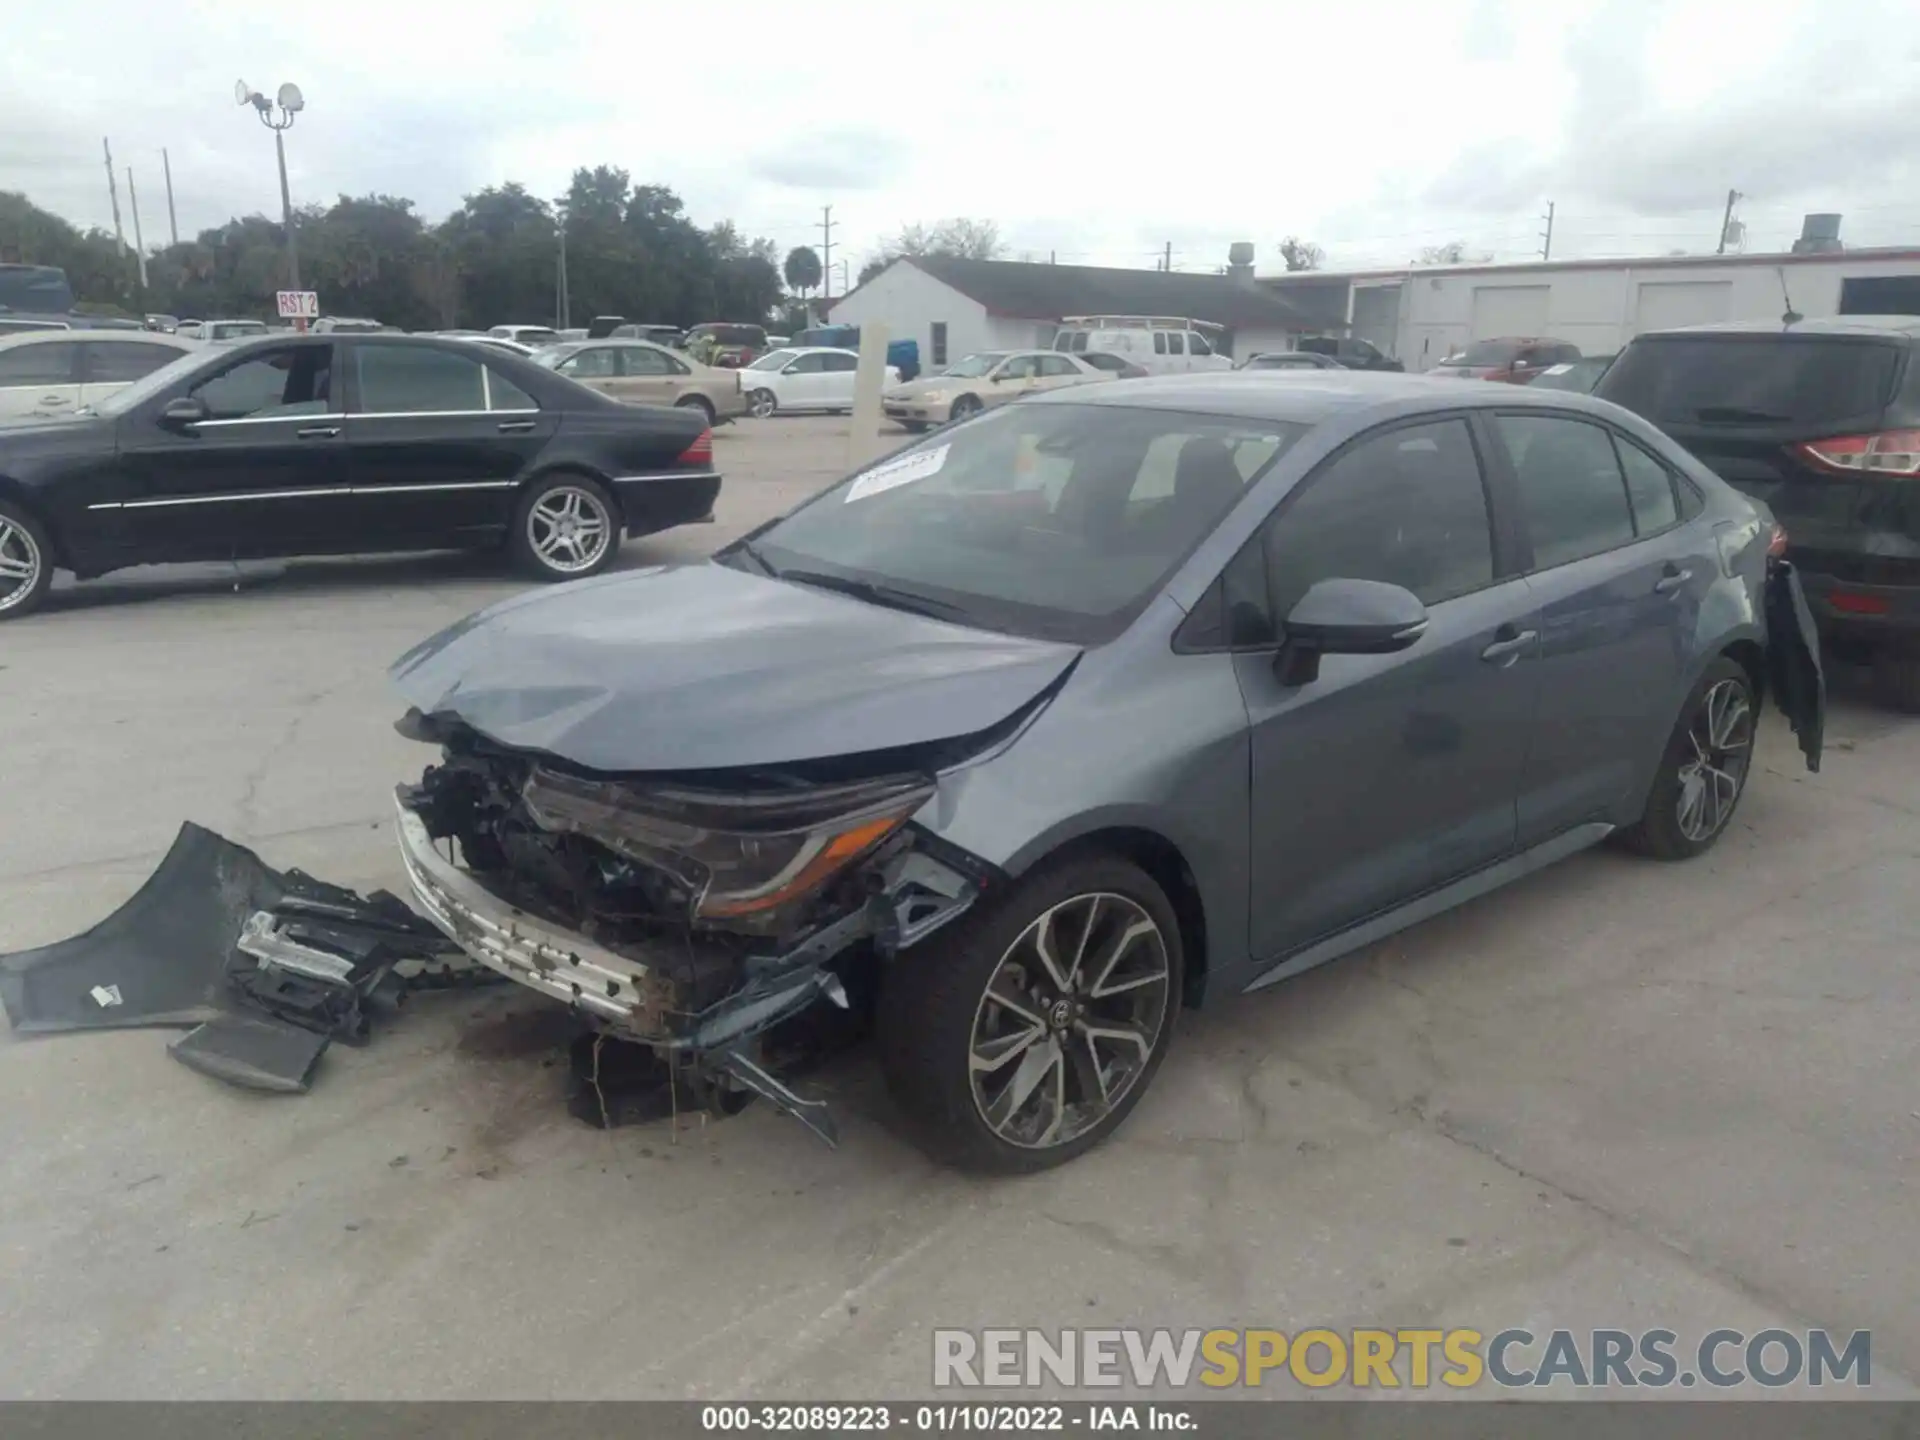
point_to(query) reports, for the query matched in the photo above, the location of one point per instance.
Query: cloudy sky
(1095, 132)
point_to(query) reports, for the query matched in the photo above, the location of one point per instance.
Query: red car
(1513, 359)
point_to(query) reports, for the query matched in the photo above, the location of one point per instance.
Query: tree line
(631, 250)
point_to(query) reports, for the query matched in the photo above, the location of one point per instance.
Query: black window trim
(1683, 488)
(1500, 516)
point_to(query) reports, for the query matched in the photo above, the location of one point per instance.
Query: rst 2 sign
(298, 304)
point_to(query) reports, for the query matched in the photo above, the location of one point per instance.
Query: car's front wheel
(566, 527)
(762, 403)
(1026, 1033)
(963, 408)
(1704, 771)
(1896, 680)
(26, 563)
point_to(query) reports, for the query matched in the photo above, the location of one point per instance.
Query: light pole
(562, 300)
(277, 115)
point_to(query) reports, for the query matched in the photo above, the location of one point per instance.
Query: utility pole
(1546, 239)
(562, 301)
(139, 244)
(826, 251)
(1166, 261)
(173, 225)
(1726, 221)
(113, 193)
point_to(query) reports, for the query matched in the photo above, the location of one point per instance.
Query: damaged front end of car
(692, 914)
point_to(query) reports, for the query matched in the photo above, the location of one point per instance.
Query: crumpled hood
(695, 667)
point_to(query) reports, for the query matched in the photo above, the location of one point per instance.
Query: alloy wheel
(1069, 1020)
(1720, 749)
(20, 563)
(569, 529)
(762, 404)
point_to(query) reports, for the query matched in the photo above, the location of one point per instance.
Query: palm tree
(802, 269)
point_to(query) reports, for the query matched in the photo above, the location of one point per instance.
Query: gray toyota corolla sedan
(1095, 707)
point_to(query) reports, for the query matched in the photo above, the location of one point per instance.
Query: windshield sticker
(1556, 370)
(904, 471)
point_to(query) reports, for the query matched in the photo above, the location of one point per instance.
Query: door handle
(1671, 581)
(515, 427)
(1506, 650)
(317, 432)
(56, 399)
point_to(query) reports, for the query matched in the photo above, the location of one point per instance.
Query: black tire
(760, 397)
(963, 408)
(1896, 682)
(527, 550)
(914, 427)
(25, 546)
(933, 995)
(696, 402)
(1660, 832)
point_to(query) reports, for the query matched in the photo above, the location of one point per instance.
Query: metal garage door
(1376, 316)
(1664, 304)
(1509, 310)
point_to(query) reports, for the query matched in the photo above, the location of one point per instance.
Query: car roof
(90, 337)
(1309, 397)
(1883, 326)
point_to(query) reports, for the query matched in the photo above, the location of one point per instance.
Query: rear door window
(403, 380)
(1650, 488)
(1176, 342)
(1571, 488)
(120, 362)
(1736, 380)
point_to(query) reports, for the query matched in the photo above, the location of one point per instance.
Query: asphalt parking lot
(1618, 1094)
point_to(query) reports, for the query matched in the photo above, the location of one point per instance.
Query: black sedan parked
(344, 444)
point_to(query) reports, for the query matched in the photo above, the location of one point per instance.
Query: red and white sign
(298, 304)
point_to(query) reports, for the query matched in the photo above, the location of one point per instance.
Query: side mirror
(183, 412)
(1347, 617)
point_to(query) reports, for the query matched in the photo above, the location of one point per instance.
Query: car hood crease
(700, 667)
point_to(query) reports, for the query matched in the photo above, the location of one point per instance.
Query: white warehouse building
(1420, 313)
(955, 307)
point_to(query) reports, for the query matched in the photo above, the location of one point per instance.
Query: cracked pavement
(1618, 1094)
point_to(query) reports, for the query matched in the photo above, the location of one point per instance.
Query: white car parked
(808, 377)
(47, 374)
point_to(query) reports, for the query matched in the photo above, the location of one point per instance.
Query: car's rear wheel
(1704, 771)
(26, 563)
(696, 402)
(1896, 681)
(762, 403)
(1027, 1033)
(565, 528)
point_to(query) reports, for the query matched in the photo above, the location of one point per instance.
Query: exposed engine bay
(691, 913)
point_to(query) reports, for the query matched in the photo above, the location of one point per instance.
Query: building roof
(1881, 253)
(1018, 290)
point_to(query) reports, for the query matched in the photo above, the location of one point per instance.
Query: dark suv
(1351, 351)
(1820, 419)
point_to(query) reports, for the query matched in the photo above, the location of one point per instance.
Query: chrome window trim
(173, 500)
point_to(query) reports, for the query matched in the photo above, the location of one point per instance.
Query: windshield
(974, 366)
(232, 329)
(1057, 521)
(1486, 352)
(120, 401)
(773, 360)
(1757, 379)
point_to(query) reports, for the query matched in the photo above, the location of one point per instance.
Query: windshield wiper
(752, 552)
(877, 594)
(1737, 415)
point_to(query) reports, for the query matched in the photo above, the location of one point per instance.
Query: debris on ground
(266, 967)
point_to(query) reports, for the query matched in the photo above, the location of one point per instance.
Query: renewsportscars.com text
(1414, 1359)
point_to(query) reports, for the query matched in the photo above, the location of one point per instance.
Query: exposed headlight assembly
(741, 858)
